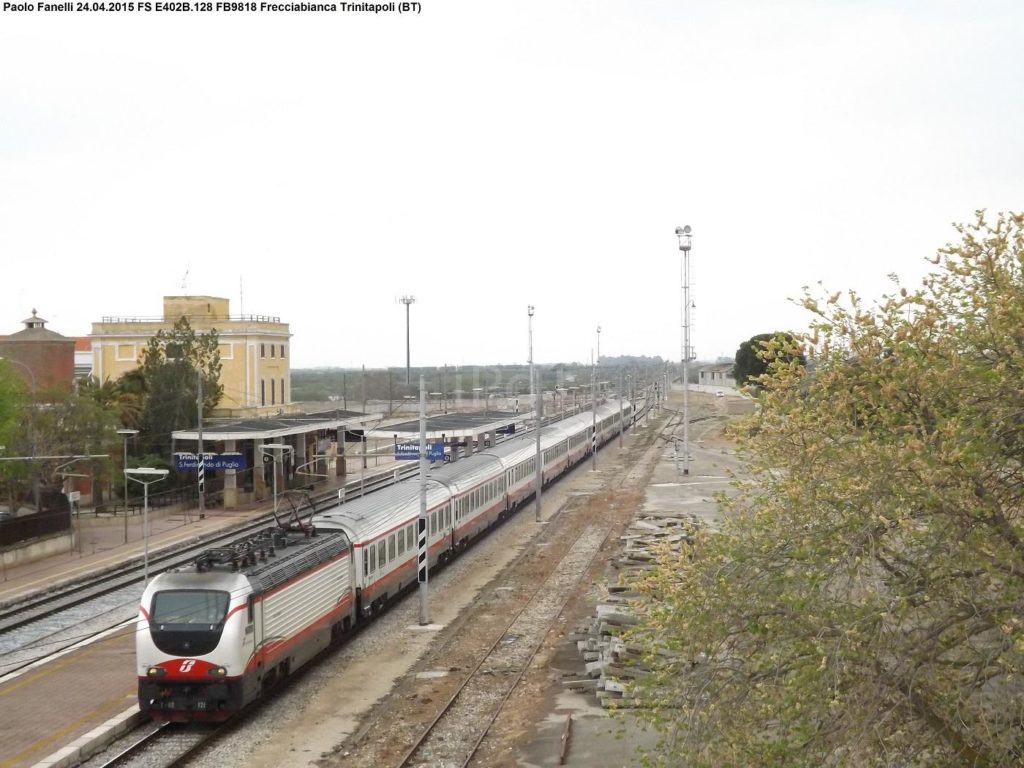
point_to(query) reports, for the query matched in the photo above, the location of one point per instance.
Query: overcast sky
(484, 156)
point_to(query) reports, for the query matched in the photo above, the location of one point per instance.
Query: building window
(125, 351)
(282, 351)
(273, 351)
(263, 391)
(282, 392)
(263, 350)
(273, 391)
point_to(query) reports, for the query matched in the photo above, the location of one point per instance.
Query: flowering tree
(863, 604)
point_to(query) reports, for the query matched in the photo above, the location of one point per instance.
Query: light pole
(598, 345)
(407, 300)
(126, 433)
(683, 233)
(155, 475)
(529, 312)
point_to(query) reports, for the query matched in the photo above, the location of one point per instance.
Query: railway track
(162, 746)
(455, 734)
(456, 731)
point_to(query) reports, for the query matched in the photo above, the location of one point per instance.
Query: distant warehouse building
(254, 354)
(717, 375)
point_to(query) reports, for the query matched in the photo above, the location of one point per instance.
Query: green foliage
(863, 603)
(169, 365)
(756, 354)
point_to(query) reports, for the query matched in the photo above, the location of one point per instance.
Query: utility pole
(407, 300)
(529, 313)
(363, 386)
(201, 466)
(422, 554)
(540, 459)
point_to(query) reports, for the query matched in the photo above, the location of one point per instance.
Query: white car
(719, 393)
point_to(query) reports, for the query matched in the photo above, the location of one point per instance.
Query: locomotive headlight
(156, 672)
(218, 671)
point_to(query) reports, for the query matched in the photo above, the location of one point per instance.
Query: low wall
(36, 549)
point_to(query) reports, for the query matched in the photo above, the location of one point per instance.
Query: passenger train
(217, 634)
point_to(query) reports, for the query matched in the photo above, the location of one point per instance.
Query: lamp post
(683, 233)
(598, 361)
(407, 300)
(529, 312)
(125, 434)
(155, 475)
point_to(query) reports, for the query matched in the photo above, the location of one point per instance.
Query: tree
(169, 365)
(755, 354)
(864, 602)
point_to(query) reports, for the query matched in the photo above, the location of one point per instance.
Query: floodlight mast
(684, 235)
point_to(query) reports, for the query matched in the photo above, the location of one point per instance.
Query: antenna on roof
(184, 282)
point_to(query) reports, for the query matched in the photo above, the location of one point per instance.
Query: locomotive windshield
(188, 622)
(183, 609)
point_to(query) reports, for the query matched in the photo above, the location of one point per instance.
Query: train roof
(267, 560)
(381, 511)
(389, 508)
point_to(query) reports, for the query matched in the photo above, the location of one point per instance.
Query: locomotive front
(192, 645)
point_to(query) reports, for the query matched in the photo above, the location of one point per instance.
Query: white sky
(484, 156)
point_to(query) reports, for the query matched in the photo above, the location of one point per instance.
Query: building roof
(451, 425)
(281, 426)
(35, 330)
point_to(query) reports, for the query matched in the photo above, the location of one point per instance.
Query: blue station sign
(184, 461)
(411, 451)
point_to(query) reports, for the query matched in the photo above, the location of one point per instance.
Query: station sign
(407, 451)
(184, 461)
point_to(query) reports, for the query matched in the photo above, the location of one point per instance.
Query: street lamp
(155, 476)
(529, 312)
(126, 433)
(407, 300)
(598, 345)
(683, 233)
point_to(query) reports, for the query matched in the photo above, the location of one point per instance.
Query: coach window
(250, 609)
(382, 553)
(373, 558)
(401, 542)
(391, 547)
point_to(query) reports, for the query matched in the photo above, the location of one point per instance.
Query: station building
(254, 351)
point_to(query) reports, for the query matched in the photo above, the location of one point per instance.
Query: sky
(483, 157)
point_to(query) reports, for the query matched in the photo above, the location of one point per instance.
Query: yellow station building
(254, 351)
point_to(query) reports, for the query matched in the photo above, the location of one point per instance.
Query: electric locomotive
(214, 635)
